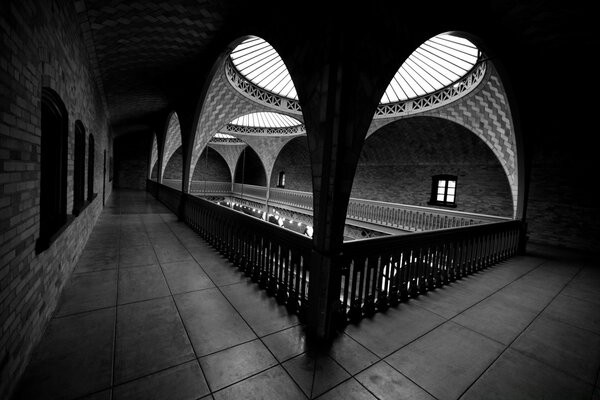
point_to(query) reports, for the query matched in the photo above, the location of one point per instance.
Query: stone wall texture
(41, 46)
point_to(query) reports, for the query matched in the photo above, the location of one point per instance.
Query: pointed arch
(172, 141)
(153, 158)
(227, 96)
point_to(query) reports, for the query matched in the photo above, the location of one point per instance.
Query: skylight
(437, 63)
(266, 120)
(220, 135)
(258, 62)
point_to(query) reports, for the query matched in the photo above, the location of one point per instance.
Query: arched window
(53, 167)
(79, 172)
(91, 166)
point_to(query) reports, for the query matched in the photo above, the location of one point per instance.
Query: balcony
(374, 274)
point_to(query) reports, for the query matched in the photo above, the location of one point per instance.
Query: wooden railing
(413, 218)
(375, 273)
(252, 191)
(381, 272)
(170, 197)
(397, 216)
(291, 198)
(210, 188)
(277, 259)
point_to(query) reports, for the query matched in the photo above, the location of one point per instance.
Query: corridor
(152, 312)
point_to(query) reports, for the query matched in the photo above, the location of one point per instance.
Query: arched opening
(211, 167)
(154, 159)
(397, 164)
(174, 168)
(53, 167)
(91, 168)
(249, 169)
(172, 144)
(294, 160)
(79, 169)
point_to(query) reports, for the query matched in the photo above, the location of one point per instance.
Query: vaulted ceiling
(149, 56)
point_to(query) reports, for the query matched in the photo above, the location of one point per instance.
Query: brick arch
(172, 141)
(230, 152)
(219, 105)
(485, 112)
(153, 155)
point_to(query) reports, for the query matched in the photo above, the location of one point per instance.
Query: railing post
(323, 294)
(522, 246)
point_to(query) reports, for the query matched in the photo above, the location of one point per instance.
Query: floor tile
(220, 270)
(315, 375)
(261, 312)
(515, 376)
(86, 292)
(167, 253)
(212, 323)
(141, 283)
(352, 356)
(137, 256)
(185, 276)
(579, 313)
(184, 381)
(388, 384)
(272, 384)
(387, 332)
(348, 390)
(236, 363)
(570, 349)
(287, 343)
(498, 317)
(73, 359)
(447, 360)
(150, 337)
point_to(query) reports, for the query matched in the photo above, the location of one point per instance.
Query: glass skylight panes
(437, 63)
(266, 120)
(258, 62)
(219, 135)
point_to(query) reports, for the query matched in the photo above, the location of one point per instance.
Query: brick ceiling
(150, 55)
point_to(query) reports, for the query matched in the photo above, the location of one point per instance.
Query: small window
(79, 172)
(281, 180)
(91, 166)
(443, 190)
(53, 168)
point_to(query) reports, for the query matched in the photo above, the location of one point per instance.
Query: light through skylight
(256, 60)
(266, 120)
(437, 63)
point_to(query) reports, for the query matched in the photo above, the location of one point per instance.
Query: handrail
(392, 215)
(278, 259)
(380, 272)
(374, 273)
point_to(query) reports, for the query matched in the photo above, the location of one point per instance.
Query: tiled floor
(152, 312)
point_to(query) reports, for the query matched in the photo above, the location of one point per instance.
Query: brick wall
(562, 209)
(253, 171)
(40, 45)
(131, 160)
(213, 169)
(398, 161)
(294, 160)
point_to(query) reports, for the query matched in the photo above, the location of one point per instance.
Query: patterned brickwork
(172, 141)
(138, 42)
(222, 104)
(154, 154)
(40, 46)
(267, 148)
(486, 113)
(230, 153)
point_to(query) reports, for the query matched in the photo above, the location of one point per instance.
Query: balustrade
(381, 272)
(376, 273)
(275, 258)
